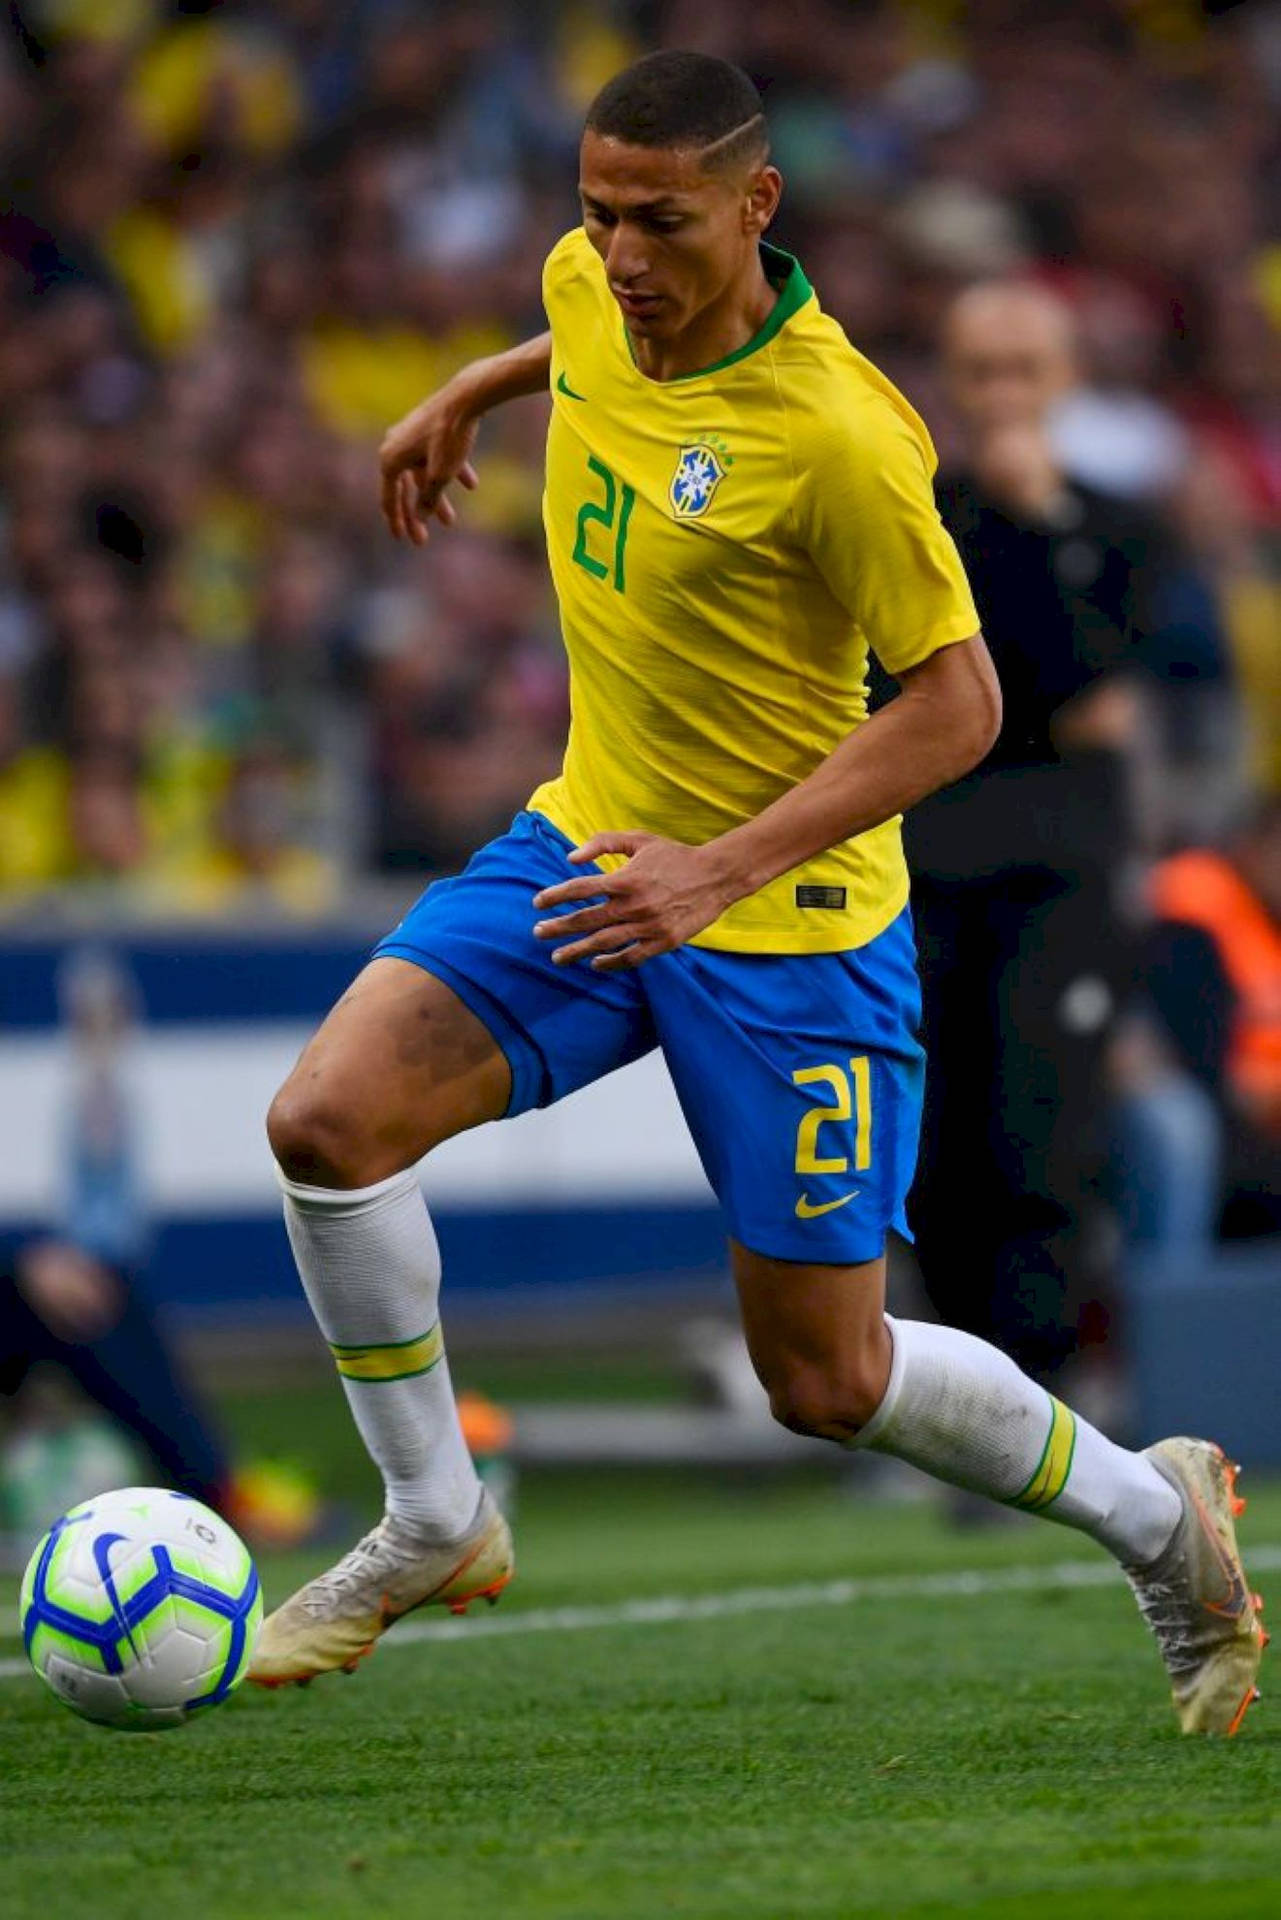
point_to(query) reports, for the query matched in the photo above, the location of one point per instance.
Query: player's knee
(826, 1403)
(315, 1142)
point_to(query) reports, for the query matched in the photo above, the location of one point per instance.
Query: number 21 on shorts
(851, 1100)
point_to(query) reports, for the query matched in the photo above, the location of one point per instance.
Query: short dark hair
(687, 100)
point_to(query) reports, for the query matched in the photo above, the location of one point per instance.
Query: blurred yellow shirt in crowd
(726, 547)
(218, 571)
(33, 814)
(162, 273)
(208, 71)
(212, 882)
(1251, 606)
(359, 376)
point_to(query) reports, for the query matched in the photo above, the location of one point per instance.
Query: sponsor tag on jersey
(810, 896)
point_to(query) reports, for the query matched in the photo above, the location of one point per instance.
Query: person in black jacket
(1016, 869)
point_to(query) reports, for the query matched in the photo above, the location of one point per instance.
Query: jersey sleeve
(564, 274)
(865, 513)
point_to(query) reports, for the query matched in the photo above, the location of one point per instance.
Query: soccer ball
(140, 1608)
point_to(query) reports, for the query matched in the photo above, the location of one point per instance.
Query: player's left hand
(665, 894)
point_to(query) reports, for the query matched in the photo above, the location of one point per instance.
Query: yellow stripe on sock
(1055, 1464)
(397, 1360)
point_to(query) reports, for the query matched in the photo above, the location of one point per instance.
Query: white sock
(964, 1412)
(370, 1268)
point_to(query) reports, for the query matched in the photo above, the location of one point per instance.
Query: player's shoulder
(839, 403)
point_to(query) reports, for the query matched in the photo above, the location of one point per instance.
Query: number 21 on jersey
(603, 512)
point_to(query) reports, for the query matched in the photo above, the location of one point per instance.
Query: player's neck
(720, 330)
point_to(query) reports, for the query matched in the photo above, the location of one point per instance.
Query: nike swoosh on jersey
(563, 386)
(806, 1210)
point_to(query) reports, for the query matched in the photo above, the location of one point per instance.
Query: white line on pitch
(672, 1609)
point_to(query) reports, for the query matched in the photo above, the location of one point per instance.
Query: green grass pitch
(1000, 1753)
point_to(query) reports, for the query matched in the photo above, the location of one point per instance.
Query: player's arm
(431, 446)
(945, 720)
(943, 723)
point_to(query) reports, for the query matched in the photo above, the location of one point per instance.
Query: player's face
(673, 238)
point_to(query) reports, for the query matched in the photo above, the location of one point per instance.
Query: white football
(140, 1608)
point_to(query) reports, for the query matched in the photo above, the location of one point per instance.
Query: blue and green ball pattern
(99, 1601)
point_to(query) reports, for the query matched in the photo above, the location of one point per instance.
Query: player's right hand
(418, 459)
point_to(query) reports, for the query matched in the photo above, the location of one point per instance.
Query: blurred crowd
(237, 240)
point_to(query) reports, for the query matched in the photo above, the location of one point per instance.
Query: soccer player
(738, 507)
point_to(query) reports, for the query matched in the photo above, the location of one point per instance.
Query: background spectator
(74, 1299)
(1200, 1107)
(1017, 868)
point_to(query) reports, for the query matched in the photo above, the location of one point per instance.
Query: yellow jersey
(725, 547)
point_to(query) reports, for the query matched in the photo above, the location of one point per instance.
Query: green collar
(783, 271)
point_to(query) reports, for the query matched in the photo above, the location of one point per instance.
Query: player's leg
(460, 1018)
(400, 1065)
(803, 1094)
(834, 1365)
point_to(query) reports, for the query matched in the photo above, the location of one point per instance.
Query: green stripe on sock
(391, 1359)
(1055, 1463)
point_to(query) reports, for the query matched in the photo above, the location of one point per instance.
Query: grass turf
(998, 1756)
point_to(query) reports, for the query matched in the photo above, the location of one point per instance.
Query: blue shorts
(800, 1075)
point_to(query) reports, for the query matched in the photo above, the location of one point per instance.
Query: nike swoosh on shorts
(807, 1210)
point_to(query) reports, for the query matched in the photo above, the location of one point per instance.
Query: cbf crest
(700, 467)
